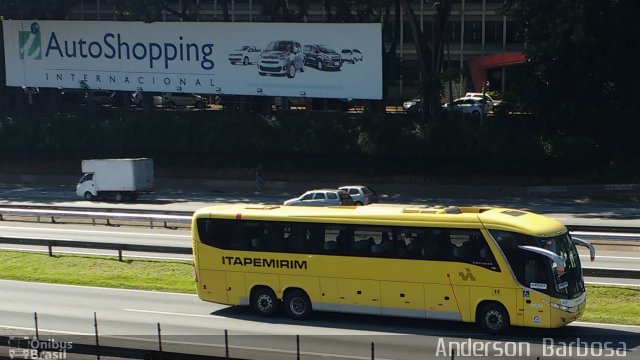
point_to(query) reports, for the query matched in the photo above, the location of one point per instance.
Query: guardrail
(51, 214)
(119, 247)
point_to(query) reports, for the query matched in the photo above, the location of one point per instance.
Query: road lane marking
(611, 257)
(174, 313)
(93, 231)
(610, 284)
(11, 327)
(41, 284)
(600, 324)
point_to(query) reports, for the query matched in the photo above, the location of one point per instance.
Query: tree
(429, 57)
(152, 10)
(37, 9)
(582, 57)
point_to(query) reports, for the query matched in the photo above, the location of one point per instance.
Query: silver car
(281, 57)
(322, 197)
(361, 195)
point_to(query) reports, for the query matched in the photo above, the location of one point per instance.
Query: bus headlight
(559, 307)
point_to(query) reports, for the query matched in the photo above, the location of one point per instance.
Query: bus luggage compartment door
(212, 286)
(359, 296)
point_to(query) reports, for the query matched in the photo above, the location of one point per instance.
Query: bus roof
(394, 214)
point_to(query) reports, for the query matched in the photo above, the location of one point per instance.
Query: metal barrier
(96, 245)
(150, 216)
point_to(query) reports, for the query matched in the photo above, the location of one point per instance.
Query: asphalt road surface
(187, 323)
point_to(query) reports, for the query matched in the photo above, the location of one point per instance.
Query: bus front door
(535, 306)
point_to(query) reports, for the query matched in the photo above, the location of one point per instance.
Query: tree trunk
(429, 59)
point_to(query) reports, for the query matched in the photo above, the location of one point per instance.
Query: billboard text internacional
(270, 59)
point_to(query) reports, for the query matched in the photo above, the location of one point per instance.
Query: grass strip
(605, 304)
(101, 271)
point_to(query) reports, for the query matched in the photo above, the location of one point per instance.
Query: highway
(191, 325)
(576, 211)
(186, 322)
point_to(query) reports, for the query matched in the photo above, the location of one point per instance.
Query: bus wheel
(264, 301)
(297, 304)
(493, 318)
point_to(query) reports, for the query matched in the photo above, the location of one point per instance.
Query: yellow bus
(493, 266)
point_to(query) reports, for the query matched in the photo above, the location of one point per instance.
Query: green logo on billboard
(29, 45)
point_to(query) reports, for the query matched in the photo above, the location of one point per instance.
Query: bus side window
(215, 232)
(237, 240)
(298, 237)
(315, 242)
(386, 245)
(364, 238)
(332, 235)
(345, 240)
(275, 236)
(253, 235)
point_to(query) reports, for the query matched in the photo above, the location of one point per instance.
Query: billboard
(271, 59)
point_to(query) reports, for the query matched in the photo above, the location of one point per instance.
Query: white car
(411, 105)
(357, 55)
(361, 195)
(469, 105)
(322, 197)
(347, 56)
(245, 55)
(491, 101)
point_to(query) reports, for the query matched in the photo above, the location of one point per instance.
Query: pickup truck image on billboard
(281, 57)
(321, 57)
(245, 55)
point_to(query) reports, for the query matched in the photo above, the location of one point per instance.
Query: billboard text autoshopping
(262, 59)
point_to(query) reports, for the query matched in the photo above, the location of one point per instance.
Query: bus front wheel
(297, 304)
(264, 301)
(493, 318)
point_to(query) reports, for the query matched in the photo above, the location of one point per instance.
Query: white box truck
(119, 179)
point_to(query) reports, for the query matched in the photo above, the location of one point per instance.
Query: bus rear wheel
(297, 304)
(264, 301)
(493, 318)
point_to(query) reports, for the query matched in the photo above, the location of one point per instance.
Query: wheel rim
(265, 303)
(87, 196)
(246, 61)
(494, 319)
(118, 197)
(319, 66)
(292, 70)
(298, 306)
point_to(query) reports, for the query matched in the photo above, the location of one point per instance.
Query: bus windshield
(538, 271)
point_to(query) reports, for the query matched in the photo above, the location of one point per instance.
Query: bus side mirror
(592, 250)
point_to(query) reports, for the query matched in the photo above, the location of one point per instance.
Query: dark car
(321, 57)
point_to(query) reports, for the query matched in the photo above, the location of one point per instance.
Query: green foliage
(580, 64)
(303, 141)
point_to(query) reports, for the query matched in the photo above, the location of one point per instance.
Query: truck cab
(86, 188)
